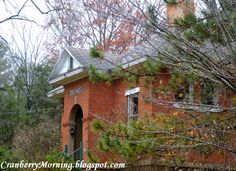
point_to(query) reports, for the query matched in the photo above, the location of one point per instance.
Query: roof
(82, 60)
(57, 92)
(149, 49)
(82, 56)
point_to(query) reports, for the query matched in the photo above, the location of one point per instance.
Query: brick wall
(108, 102)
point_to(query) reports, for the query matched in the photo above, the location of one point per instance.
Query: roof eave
(56, 93)
(134, 63)
(70, 77)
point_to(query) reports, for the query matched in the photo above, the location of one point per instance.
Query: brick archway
(75, 132)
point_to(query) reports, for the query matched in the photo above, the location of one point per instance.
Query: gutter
(66, 75)
(59, 91)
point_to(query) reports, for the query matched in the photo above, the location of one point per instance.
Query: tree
(24, 84)
(34, 143)
(31, 70)
(25, 109)
(196, 50)
(14, 10)
(91, 23)
(7, 99)
(3, 62)
(212, 31)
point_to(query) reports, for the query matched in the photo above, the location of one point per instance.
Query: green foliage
(109, 77)
(57, 156)
(170, 1)
(33, 142)
(96, 76)
(25, 103)
(177, 79)
(187, 21)
(6, 155)
(130, 75)
(3, 49)
(165, 136)
(6, 130)
(33, 94)
(138, 138)
(234, 101)
(152, 17)
(152, 67)
(97, 125)
(179, 83)
(199, 30)
(195, 30)
(92, 158)
(95, 53)
(8, 101)
(24, 107)
(171, 135)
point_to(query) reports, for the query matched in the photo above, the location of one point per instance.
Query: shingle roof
(82, 56)
(110, 61)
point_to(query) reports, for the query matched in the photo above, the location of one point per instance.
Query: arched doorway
(76, 132)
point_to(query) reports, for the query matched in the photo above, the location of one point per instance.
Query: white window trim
(200, 107)
(132, 91)
(129, 93)
(216, 96)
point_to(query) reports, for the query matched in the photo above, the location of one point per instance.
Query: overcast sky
(9, 28)
(13, 31)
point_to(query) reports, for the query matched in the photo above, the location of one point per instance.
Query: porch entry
(77, 132)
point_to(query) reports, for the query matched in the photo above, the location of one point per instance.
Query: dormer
(73, 64)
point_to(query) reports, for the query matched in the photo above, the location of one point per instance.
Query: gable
(65, 64)
(74, 62)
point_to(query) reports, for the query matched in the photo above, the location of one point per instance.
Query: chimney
(178, 9)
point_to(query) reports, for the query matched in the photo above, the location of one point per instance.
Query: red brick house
(83, 101)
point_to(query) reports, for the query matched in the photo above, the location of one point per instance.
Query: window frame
(131, 94)
(71, 63)
(188, 97)
(200, 106)
(215, 93)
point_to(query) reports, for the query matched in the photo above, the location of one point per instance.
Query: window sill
(133, 116)
(198, 107)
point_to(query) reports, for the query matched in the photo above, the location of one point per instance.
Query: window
(132, 95)
(71, 63)
(209, 92)
(184, 93)
(207, 97)
(132, 105)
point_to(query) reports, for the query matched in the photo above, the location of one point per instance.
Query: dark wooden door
(78, 129)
